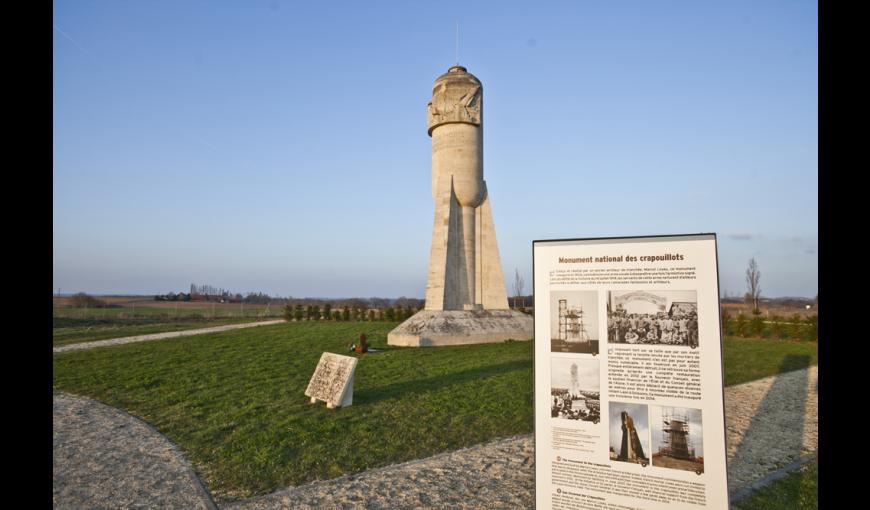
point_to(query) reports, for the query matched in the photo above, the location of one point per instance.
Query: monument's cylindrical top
(457, 96)
(455, 125)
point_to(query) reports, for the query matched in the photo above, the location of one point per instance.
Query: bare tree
(519, 284)
(753, 276)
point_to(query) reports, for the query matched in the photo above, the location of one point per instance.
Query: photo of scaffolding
(629, 433)
(678, 438)
(657, 317)
(574, 322)
(574, 389)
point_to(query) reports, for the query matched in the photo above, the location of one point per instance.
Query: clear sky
(281, 146)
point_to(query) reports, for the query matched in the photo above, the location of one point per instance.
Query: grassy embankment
(235, 402)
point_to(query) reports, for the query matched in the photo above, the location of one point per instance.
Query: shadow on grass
(774, 438)
(417, 386)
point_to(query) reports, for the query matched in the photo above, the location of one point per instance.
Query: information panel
(629, 402)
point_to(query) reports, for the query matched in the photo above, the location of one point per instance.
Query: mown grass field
(795, 491)
(235, 402)
(748, 359)
(167, 310)
(71, 330)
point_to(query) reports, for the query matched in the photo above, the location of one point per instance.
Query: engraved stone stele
(466, 301)
(332, 381)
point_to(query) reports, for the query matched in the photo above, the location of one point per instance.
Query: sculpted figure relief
(454, 105)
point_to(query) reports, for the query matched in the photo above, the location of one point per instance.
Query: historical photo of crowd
(677, 438)
(629, 433)
(574, 321)
(575, 389)
(663, 317)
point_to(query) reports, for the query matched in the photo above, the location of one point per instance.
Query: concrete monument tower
(466, 301)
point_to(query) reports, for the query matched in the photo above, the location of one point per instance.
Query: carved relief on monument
(458, 102)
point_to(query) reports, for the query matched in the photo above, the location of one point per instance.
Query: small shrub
(82, 300)
(777, 329)
(756, 325)
(811, 332)
(741, 326)
(796, 327)
(727, 323)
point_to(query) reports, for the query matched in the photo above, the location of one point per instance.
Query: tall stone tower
(466, 301)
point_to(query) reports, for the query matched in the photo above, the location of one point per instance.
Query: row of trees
(316, 313)
(251, 298)
(209, 293)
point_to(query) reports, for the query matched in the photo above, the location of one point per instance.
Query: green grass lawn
(68, 330)
(748, 359)
(235, 402)
(795, 491)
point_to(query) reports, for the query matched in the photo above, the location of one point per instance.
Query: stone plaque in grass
(332, 381)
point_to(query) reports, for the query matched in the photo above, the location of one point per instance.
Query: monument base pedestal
(430, 328)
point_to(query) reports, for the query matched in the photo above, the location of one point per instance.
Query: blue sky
(281, 146)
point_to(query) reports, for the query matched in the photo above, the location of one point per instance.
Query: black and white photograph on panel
(574, 389)
(574, 321)
(629, 432)
(657, 317)
(678, 438)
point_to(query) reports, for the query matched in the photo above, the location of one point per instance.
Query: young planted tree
(327, 311)
(298, 313)
(753, 276)
(519, 285)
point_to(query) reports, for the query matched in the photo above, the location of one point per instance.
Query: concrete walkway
(160, 336)
(770, 424)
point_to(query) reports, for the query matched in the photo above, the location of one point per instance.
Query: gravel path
(159, 336)
(105, 458)
(770, 423)
(494, 475)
